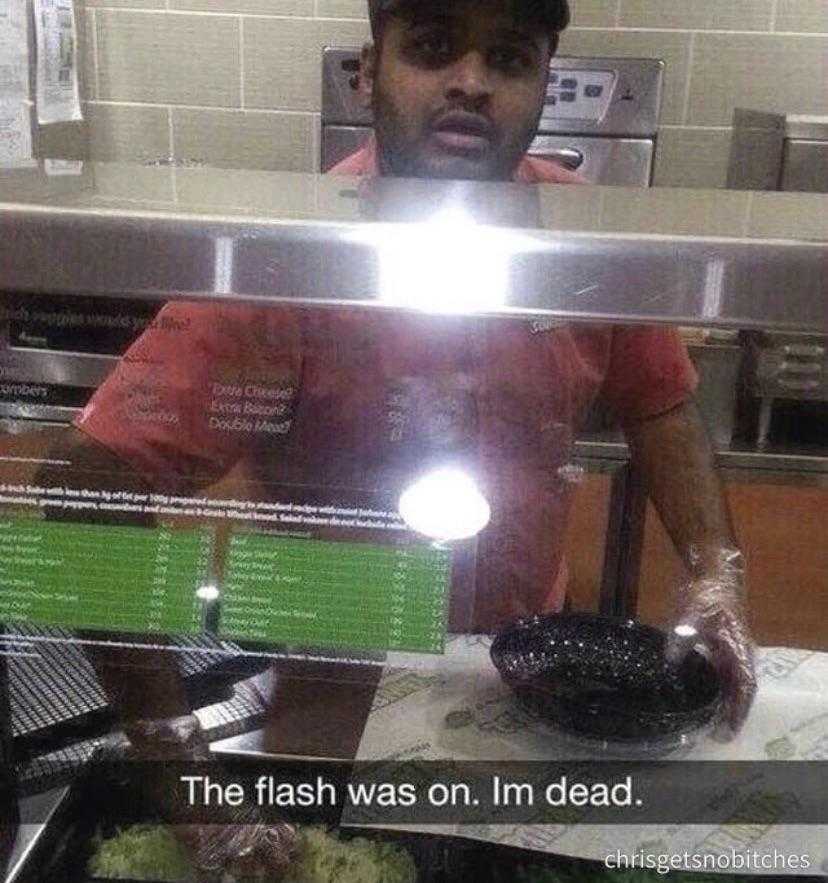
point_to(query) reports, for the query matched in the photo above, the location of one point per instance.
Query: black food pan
(605, 678)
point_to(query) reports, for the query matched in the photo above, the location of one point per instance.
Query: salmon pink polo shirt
(360, 398)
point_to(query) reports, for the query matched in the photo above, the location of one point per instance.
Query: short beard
(400, 159)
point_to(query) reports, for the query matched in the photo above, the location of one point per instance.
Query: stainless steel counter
(791, 695)
(35, 813)
(773, 459)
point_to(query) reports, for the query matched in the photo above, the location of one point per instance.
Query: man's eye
(432, 46)
(510, 59)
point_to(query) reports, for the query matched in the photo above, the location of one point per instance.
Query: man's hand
(711, 611)
(238, 842)
(674, 457)
(247, 850)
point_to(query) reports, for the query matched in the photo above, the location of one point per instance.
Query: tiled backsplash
(236, 83)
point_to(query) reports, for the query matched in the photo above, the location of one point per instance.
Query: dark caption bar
(431, 792)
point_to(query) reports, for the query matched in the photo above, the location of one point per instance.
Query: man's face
(457, 89)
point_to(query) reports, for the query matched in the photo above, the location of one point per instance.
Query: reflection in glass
(208, 593)
(445, 504)
(449, 264)
(685, 631)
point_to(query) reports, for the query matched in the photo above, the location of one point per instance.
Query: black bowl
(605, 678)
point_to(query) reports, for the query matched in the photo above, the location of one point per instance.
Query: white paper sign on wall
(56, 76)
(15, 111)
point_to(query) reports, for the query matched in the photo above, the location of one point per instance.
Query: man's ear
(367, 72)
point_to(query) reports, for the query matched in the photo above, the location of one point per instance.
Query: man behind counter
(457, 91)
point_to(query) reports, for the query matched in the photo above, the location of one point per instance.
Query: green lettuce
(325, 858)
(142, 852)
(151, 852)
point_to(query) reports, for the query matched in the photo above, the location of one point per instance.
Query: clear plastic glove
(712, 612)
(246, 849)
(238, 843)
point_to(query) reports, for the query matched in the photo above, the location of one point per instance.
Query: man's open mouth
(463, 132)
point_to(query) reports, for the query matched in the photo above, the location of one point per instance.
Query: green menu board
(129, 579)
(331, 594)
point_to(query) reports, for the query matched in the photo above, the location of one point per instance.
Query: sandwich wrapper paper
(455, 707)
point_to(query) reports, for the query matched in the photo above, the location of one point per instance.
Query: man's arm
(147, 691)
(673, 454)
(170, 370)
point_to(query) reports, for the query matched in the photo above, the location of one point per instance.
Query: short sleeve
(203, 384)
(649, 372)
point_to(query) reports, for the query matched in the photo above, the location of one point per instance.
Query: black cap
(554, 14)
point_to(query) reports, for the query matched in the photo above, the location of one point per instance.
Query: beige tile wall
(235, 83)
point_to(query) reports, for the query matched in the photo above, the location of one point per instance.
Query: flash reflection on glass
(207, 593)
(445, 505)
(685, 631)
(449, 264)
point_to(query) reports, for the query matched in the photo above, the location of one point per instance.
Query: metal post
(9, 811)
(625, 541)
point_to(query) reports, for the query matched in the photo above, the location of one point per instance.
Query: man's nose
(469, 79)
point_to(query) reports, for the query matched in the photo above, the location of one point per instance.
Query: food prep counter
(546, 254)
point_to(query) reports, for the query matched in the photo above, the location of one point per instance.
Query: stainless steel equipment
(772, 151)
(324, 243)
(718, 365)
(787, 367)
(88, 246)
(600, 118)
